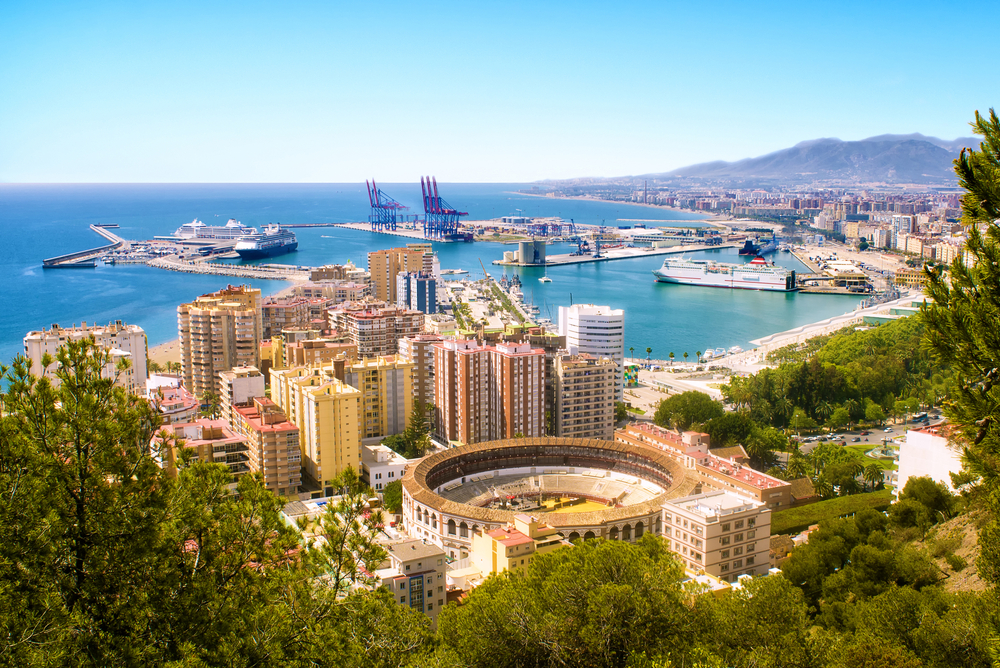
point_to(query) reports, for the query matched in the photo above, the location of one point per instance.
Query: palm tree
(823, 487)
(649, 351)
(671, 359)
(824, 410)
(631, 353)
(685, 358)
(699, 355)
(874, 474)
(796, 466)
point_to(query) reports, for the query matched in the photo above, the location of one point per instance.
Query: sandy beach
(166, 352)
(712, 219)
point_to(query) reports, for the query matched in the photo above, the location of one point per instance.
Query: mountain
(912, 158)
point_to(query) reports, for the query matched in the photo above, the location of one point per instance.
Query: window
(402, 585)
(738, 537)
(738, 551)
(440, 589)
(685, 524)
(697, 556)
(407, 567)
(402, 599)
(738, 524)
(751, 534)
(752, 522)
(724, 554)
(430, 606)
(749, 561)
(738, 563)
(725, 527)
(725, 540)
(725, 567)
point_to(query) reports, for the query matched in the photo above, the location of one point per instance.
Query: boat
(755, 275)
(749, 248)
(453, 272)
(544, 279)
(734, 350)
(768, 247)
(233, 229)
(274, 240)
(720, 352)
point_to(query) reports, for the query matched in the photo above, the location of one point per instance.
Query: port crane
(440, 218)
(385, 210)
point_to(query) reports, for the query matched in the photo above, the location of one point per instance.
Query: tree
(800, 421)
(874, 474)
(671, 359)
(683, 410)
(621, 412)
(685, 357)
(839, 419)
(210, 404)
(392, 496)
(874, 413)
(631, 352)
(649, 351)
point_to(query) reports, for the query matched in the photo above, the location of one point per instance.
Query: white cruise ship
(196, 229)
(755, 275)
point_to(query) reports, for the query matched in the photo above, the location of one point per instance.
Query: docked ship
(196, 229)
(749, 248)
(769, 247)
(755, 275)
(274, 240)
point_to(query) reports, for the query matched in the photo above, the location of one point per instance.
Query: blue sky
(474, 91)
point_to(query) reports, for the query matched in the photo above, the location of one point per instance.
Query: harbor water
(40, 221)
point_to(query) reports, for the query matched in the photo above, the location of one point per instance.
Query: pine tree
(962, 326)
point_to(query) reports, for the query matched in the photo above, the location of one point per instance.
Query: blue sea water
(39, 221)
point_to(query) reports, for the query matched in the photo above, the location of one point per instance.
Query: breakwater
(271, 272)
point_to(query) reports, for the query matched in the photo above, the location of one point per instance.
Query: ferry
(274, 240)
(453, 272)
(755, 275)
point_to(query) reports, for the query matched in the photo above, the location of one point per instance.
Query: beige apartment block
(217, 332)
(327, 413)
(385, 265)
(317, 351)
(239, 387)
(278, 314)
(375, 327)
(415, 572)
(273, 444)
(585, 396)
(512, 547)
(418, 350)
(484, 393)
(722, 533)
(122, 341)
(386, 386)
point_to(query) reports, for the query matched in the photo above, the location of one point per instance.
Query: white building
(415, 574)
(724, 534)
(597, 331)
(381, 465)
(121, 340)
(239, 387)
(928, 452)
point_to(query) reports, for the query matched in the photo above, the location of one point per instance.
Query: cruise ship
(755, 275)
(196, 229)
(272, 241)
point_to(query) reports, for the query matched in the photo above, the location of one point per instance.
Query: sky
(339, 92)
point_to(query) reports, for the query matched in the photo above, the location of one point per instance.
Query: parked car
(856, 439)
(887, 430)
(865, 432)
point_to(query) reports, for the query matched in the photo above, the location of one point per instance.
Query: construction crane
(440, 218)
(385, 210)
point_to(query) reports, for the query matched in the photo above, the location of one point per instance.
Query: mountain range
(891, 159)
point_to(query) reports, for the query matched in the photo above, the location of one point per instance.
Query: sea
(41, 221)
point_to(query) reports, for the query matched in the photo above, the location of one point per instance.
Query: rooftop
(407, 550)
(509, 537)
(712, 505)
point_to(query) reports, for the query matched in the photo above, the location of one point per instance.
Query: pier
(262, 272)
(86, 258)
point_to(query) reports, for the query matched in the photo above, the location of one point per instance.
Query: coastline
(712, 219)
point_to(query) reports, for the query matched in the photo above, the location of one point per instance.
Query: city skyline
(184, 92)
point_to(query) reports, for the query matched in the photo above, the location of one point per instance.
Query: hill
(912, 158)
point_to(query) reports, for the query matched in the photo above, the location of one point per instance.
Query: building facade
(585, 396)
(512, 547)
(385, 265)
(207, 440)
(418, 350)
(380, 465)
(239, 387)
(217, 332)
(414, 572)
(722, 533)
(273, 444)
(597, 331)
(417, 290)
(374, 327)
(484, 393)
(121, 341)
(386, 386)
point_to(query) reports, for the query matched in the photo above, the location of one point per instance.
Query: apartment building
(122, 341)
(484, 393)
(722, 533)
(585, 396)
(172, 402)
(417, 290)
(414, 572)
(208, 441)
(273, 444)
(238, 387)
(374, 327)
(385, 265)
(327, 413)
(317, 351)
(597, 331)
(278, 314)
(418, 350)
(386, 386)
(217, 332)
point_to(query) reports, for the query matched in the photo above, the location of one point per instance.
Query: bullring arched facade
(429, 515)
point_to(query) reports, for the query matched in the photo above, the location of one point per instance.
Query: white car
(887, 430)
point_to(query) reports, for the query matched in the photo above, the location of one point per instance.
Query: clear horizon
(187, 92)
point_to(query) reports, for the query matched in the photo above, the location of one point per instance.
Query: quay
(86, 258)
(263, 272)
(616, 254)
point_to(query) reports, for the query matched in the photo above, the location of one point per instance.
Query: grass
(637, 411)
(795, 520)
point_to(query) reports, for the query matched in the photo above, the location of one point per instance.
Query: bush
(956, 562)
(799, 519)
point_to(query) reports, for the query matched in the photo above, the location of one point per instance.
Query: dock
(617, 254)
(261, 272)
(87, 258)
